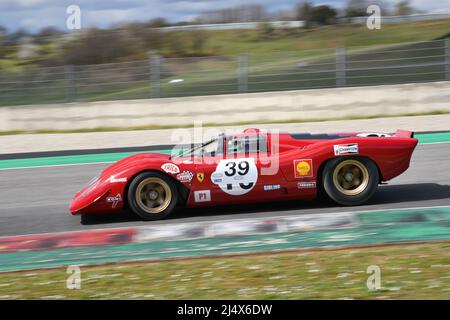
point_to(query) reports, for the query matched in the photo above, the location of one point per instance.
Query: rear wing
(404, 134)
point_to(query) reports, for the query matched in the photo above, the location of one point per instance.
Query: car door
(236, 175)
(204, 191)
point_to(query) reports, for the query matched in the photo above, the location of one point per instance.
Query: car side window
(249, 144)
(214, 148)
(262, 143)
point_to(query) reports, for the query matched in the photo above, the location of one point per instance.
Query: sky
(33, 15)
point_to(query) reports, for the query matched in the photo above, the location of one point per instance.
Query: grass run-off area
(408, 271)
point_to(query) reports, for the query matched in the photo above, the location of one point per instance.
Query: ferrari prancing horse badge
(200, 176)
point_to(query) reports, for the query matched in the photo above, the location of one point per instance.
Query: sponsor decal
(185, 176)
(306, 185)
(303, 168)
(116, 180)
(272, 187)
(237, 176)
(216, 178)
(170, 168)
(340, 149)
(200, 176)
(114, 200)
(202, 196)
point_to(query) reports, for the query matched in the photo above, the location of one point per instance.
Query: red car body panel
(300, 160)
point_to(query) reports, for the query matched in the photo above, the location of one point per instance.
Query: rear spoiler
(404, 134)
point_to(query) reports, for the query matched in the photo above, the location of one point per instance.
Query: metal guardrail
(159, 77)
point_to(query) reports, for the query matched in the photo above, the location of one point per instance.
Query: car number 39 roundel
(236, 176)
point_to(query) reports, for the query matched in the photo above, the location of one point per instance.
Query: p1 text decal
(202, 196)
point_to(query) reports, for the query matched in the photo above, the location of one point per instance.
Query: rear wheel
(350, 181)
(152, 195)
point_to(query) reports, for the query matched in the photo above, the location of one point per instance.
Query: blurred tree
(356, 8)
(304, 12)
(157, 23)
(181, 23)
(17, 36)
(404, 8)
(3, 34)
(149, 38)
(3, 31)
(199, 38)
(47, 35)
(323, 15)
(176, 43)
(99, 46)
(265, 30)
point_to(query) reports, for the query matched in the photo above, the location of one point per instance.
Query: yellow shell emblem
(303, 168)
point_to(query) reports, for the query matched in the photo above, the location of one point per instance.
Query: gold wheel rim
(153, 195)
(350, 177)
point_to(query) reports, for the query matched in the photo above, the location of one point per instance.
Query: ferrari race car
(252, 166)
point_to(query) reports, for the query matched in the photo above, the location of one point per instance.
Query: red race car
(252, 166)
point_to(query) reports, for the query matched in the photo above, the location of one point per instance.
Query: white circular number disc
(236, 176)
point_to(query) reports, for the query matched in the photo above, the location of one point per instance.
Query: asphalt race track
(36, 200)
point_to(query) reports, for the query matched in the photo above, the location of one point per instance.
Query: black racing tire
(350, 181)
(152, 195)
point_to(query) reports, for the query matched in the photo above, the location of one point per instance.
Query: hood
(89, 199)
(134, 160)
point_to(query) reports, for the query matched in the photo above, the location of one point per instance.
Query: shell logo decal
(303, 168)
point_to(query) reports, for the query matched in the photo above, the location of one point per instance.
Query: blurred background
(150, 49)
(81, 81)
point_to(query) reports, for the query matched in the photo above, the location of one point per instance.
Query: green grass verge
(408, 271)
(217, 124)
(230, 42)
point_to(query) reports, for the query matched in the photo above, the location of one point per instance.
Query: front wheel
(152, 195)
(350, 181)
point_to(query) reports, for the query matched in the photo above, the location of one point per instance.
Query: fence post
(155, 76)
(447, 59)
(69, 78)
(243, 73)
(340, 67)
